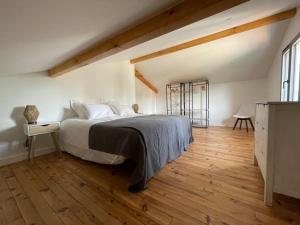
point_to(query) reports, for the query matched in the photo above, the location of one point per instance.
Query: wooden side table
(34, 130)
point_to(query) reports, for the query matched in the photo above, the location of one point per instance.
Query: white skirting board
(23, 156)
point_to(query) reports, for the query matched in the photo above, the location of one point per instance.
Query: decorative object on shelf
(135, 108)
(190, 99)
(31, 114)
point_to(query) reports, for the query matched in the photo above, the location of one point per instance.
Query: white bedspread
(74, 139)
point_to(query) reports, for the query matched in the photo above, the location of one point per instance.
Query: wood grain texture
(214, 182)
(216, 36)
(183, 14)
(139, 76)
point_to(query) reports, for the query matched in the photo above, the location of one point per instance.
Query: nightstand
(34, 130)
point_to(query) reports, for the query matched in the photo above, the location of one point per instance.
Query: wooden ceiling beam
(139, 76)
(222, 34)
(183, 14)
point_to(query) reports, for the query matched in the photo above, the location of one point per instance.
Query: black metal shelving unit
(190, 99)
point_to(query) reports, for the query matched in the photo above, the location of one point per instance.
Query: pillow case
(97, 111)
(125, 110)
(114, 106)
(121, 110)
(78, 108)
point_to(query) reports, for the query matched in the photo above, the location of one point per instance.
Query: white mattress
(74, 139)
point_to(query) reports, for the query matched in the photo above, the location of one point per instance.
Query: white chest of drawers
(277, 148)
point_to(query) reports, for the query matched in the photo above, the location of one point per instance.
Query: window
(290, 77)
(285, 75)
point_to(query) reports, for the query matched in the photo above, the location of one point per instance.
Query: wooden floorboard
(214, 182)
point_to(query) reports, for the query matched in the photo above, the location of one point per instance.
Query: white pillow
(97, 111)
(114, 106)
(77, 106)
(125, 110)
(121, 110)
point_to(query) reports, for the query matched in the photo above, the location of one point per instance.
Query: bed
(74, 139)
(149, 142)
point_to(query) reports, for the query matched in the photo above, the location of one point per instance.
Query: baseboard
(218, 125)
(229, 125)
(22, 156)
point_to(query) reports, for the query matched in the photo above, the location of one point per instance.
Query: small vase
(31, 114)
(135, 108)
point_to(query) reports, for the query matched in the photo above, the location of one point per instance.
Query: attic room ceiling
(244, 13)
(244, 56)
(36, 35)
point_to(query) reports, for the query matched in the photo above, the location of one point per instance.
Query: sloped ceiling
(244, 13)
(244, 56)
(38, 34)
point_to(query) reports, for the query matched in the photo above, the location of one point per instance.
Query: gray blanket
(149, 141)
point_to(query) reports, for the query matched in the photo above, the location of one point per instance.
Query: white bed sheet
(74, 139)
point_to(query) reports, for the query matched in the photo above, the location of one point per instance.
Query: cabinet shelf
(190, 99)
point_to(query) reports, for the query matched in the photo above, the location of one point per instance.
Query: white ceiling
(247, 12)
(38, 34)
(244, 56)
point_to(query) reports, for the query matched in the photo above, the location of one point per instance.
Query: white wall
(225, 99)
(145, 98)
(111, 81)
(274, 74)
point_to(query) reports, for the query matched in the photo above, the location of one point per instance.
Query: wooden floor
(214, 182)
